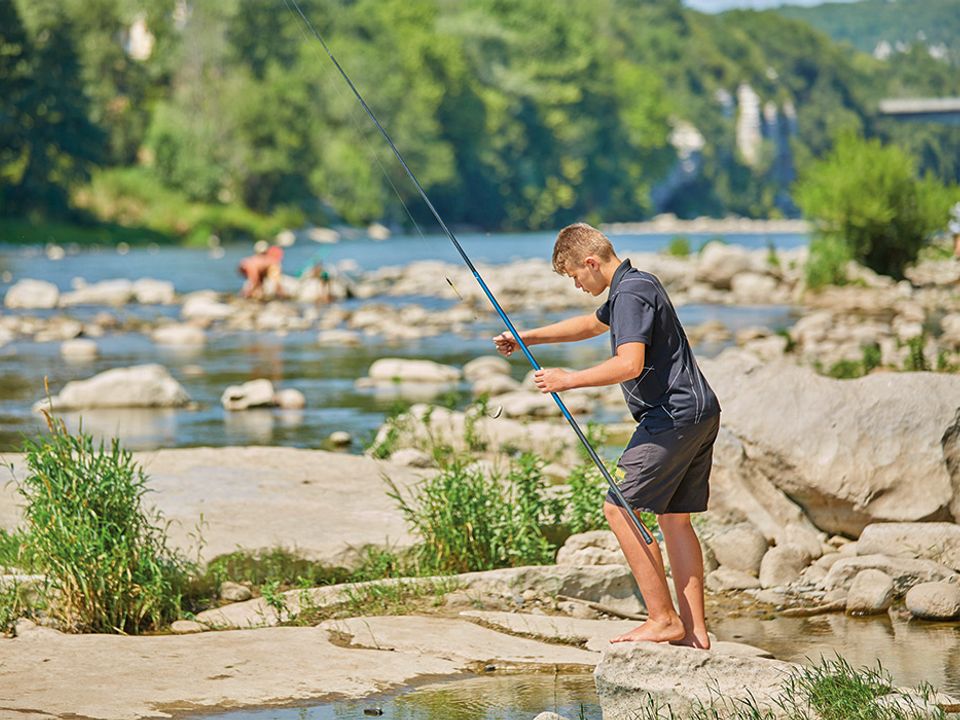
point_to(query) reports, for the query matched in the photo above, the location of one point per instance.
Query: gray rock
(340, 438)
(739, 547)
(254, 393)
(597, 547)
(883, 428)
(183, 334)
(724, 579)
(720, 263)
(32, 295)
(234, 592)
(525, 404)
(203, 305)
(485, 366)
(389, 370)
(905, 572)
(137, 386)
(937, 541)
(148, 291)
(186, 627)
(494, 385)
(109, 292)
(79, 349)
(549, 716)
(934, 600)
(871, 592)
(782, 565)
(412, 457)
(334, 336)
(630, 675)
(290, 399)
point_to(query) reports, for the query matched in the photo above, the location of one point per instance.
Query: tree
(869, 206)
(14, 86)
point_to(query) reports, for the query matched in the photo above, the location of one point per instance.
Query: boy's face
(587, 276)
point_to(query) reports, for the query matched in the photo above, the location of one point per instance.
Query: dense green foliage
(512, 114)
(866, 23)
(869, 206)
(104, 554)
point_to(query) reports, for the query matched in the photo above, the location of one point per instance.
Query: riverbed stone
(234, 592)
(79, 349)
(340, 438)
(338, 337)
(719, 263)
(725, 579)
(494, 385)
(251, 394)
(934, 600)
(203, 305)
(148, 291)
(390, 370)
(179, 334)
(871, 592)
(137, 386)
(935, 541)
(485, 366)
(525, 404)
(186, 627)
(107, 292)
(630, 675)
(888, 454)
(782, 565)
(597, 547)
(739, 547)
(32, 294)
(412, 457)
(290, 399)
(906, 572)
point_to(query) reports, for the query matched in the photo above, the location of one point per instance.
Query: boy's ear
(591, 262)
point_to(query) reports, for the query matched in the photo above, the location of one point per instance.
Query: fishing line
(375, 155)
(614, 488)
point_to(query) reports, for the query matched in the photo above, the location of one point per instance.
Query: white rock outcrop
(32, 295)
(138, 386)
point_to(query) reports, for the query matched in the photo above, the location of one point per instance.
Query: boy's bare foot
(654, 631)
(694, 641)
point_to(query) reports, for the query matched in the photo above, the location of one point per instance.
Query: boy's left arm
(626, 364)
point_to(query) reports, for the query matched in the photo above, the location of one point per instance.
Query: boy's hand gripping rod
(614, 488)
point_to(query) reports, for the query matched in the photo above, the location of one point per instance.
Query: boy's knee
(673, 520)
(611, 512)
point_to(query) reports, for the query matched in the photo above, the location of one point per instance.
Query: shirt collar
(618, 274)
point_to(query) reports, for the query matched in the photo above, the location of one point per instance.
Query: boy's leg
(686, 564)
(663, 623)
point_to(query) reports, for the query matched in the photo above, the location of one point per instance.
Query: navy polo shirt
(670, 391)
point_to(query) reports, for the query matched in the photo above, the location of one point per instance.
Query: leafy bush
(470, 520)
(679, 246)
(104, 555)
(869, 206)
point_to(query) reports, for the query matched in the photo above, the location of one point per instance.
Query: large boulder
(871, 592)
(137, 386)
(179, 334)
(251, 394)
(905, 572)
(739, 547)
(934, 600)
(148, 291)
(203, 305)
(597, 547)
(720, 263)
(396, 370)
(108, 292)
(885, 447)
(633, 677)
(939, 542)
(32, 295)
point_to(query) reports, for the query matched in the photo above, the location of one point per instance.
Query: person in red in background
(264, 264)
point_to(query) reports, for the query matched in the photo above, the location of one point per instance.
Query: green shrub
(679, 246)
(916, 361)
(869, 206)
(104, 555)
(470, 520)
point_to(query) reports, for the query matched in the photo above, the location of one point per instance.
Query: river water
(325, 375)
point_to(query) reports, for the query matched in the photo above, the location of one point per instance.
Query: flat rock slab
(112, 677)
(321, 503)
(592, 634)
(458, 641)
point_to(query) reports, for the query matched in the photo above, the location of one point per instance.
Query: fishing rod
(293, 6)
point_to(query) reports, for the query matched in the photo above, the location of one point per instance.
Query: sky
(718, 5)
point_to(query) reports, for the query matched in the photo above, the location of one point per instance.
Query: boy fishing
(667, 462)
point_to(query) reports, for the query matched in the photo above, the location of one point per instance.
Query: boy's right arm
(580, 327)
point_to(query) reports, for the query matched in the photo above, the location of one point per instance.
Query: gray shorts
(668, 471)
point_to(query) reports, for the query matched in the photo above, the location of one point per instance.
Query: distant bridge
(939, 110)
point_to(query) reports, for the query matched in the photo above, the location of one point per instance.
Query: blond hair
(577, 242)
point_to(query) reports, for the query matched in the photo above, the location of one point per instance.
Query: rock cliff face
(848, 452)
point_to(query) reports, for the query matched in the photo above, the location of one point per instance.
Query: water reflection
(137, 428)
(862, 641)
(508, 697)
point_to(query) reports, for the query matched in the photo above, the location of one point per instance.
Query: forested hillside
(934, 24)
(188, 117)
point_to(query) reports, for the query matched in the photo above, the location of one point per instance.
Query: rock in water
(138, 386)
